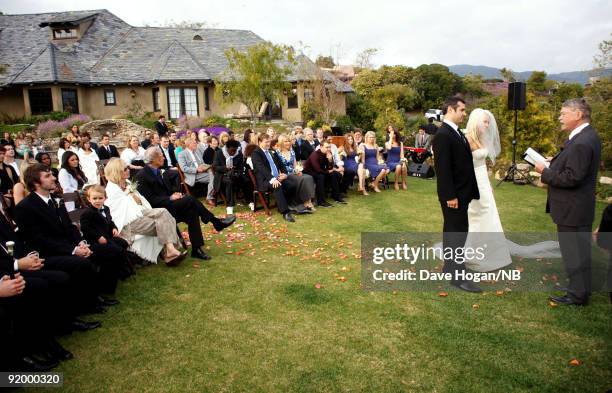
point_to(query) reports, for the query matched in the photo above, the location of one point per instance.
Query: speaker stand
(512, 172)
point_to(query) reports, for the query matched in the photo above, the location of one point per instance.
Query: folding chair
(182, 181)
(263, 196)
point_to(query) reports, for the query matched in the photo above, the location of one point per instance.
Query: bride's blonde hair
(472, 128)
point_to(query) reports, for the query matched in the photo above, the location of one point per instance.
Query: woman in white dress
(89, 162)
(485, 226)
(71, 176)
(133, 155)
(64, 146)
(147, 230)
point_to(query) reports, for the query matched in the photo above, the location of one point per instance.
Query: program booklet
(532, 156)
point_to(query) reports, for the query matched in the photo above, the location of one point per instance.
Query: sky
(523, 35)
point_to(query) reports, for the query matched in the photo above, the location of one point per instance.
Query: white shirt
(167, 154)
(128, 155)
(15, 166)
(577, 130)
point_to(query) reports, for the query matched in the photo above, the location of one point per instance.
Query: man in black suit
(31, 266)
(571, 180)
(160, 126)
(106, 151)
(271, 176)
(46, 227)
(457, 185)
(184, 208)
(168, 150)
(306, 146)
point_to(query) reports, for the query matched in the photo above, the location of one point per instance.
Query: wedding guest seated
(338, 159)
(160, 126)
(25, 306)
(421, 141)
(203, 136)
(358, 135)
(85, 137)
(321, 167)
(395, 158)
(305, 191)
(352, 161)
(45, 159)
(208, 156)
(133, 156)
(20, 190)
(247, 139)
(271, 176)
(64, 146)
(230, 175)
(71, 176)
(46, 228)
(172, 137)
(196, 171)
(88, 158)
(62, 275)
(23, 145)
(147, 139)
(146, 230)
(184, 208)
(10, 160)
(372, 160)
(306, 146)
(75, 134)
(7, 139)
(8, 174)
(431, 128)
(320, 135)
(98, 227)
(105, 150)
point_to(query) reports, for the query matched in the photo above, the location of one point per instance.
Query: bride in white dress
(484, 224)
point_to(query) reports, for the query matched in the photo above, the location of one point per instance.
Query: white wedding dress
(485, 227)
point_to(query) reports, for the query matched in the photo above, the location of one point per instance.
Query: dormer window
(62, 34)
(197, 37)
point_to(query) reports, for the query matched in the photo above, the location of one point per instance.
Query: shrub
(50, 128)
(344, 122)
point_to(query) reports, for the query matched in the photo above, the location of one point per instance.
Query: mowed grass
(253, 320)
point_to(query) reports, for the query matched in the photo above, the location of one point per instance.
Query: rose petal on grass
(318, 286)
(575, 362)
(443, 294)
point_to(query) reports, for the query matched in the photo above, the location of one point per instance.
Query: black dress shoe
(288, 217)
(58, 352)
(82, 326)
(304, 211)
(325, 204)
(220, 225)
(107, 302)
(568, 300)
(340, 200)
(198, 253)
(97, 309)
(30, 363)
(466, 286)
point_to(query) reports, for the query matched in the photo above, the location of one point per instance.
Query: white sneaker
(252, 206)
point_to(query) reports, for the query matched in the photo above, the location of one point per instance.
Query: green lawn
(252, 320)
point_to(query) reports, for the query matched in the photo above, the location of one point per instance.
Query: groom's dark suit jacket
(454, 167)
(571, 180)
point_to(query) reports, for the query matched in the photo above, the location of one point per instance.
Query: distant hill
(492, 73)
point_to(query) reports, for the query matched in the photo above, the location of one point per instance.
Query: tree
(395, 96)
(472, 85)
(507, 75)
(361, 111)
(435, 82)
(537, 82)
(325, 61)
(255, 76)
(363, 61)
(603, 59)
(537, 126)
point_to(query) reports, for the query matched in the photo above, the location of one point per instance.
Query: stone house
(95, 63)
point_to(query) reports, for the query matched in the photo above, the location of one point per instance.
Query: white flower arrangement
(132, 187)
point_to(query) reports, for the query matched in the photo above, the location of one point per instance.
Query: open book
(532, 156)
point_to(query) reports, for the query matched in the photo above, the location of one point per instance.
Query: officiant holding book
(571, 179)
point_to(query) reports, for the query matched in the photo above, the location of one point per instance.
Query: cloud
(545, 35)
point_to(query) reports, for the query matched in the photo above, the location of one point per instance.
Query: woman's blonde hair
(113, 171)
(130, 141)
(474, 121)
(369, 134)
(221, 136)
(280, 141)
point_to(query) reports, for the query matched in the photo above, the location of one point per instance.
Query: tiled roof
(111, 51)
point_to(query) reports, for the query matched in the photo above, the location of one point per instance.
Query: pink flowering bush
(188, 122)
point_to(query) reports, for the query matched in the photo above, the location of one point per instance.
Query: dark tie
(51, 204)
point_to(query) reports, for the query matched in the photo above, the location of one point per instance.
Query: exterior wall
(11, 103)
(14, 101)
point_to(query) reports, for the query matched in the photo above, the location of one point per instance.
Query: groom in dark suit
(457, 185)
(571, 180)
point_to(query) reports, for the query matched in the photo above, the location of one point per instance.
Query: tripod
(513, 172)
